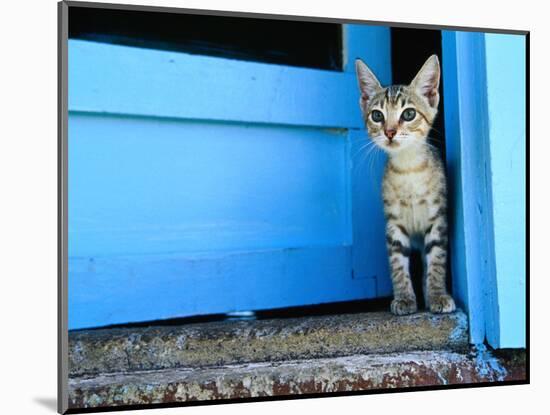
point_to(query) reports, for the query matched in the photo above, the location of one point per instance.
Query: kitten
(398, 119)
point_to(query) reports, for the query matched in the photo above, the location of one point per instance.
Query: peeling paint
(351, 373)
(457, 333)
(487, 364)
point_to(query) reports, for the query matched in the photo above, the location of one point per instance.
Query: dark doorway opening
(282, 42)
(409, 50)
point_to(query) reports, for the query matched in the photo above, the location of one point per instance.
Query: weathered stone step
(231, 342)
(351, 373)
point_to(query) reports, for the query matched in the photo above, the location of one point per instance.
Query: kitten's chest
(411, 188)
(408, 200)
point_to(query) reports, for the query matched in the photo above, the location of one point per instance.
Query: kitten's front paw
(402, 306)
(442, 304)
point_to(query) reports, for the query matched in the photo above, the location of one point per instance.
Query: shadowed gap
(294, 43)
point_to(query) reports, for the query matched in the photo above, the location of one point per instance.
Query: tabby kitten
(398, 119)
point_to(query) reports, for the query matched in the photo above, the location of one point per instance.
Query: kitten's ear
(426, 81)
(368, 84)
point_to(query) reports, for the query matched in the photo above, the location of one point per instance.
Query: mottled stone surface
(351, 373)
(223, 343)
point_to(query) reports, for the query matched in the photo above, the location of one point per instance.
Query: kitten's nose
(390, 133)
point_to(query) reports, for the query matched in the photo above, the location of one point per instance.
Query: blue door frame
(485, 123)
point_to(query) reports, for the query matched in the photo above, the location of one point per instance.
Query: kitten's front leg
(435, 249)
(399, 249)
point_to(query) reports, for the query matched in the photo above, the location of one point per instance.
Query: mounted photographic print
(260, 207)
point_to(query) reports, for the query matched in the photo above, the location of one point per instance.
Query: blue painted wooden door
(202, 185)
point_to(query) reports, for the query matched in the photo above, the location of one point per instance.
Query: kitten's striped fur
(414, 186)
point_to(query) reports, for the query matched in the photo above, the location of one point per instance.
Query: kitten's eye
(409, 114)
(377, 116)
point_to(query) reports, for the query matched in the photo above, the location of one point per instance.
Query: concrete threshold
(309, 376)
(93, 352)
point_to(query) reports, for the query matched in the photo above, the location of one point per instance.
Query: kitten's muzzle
(390, 133)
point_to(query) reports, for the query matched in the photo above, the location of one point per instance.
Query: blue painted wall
(506, 83)
(203, 185)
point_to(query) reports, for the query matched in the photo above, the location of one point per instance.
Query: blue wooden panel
(150, 185)
(124, 80)
(506, 82)
(373, 45)
(119, 289)
(369, 255)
